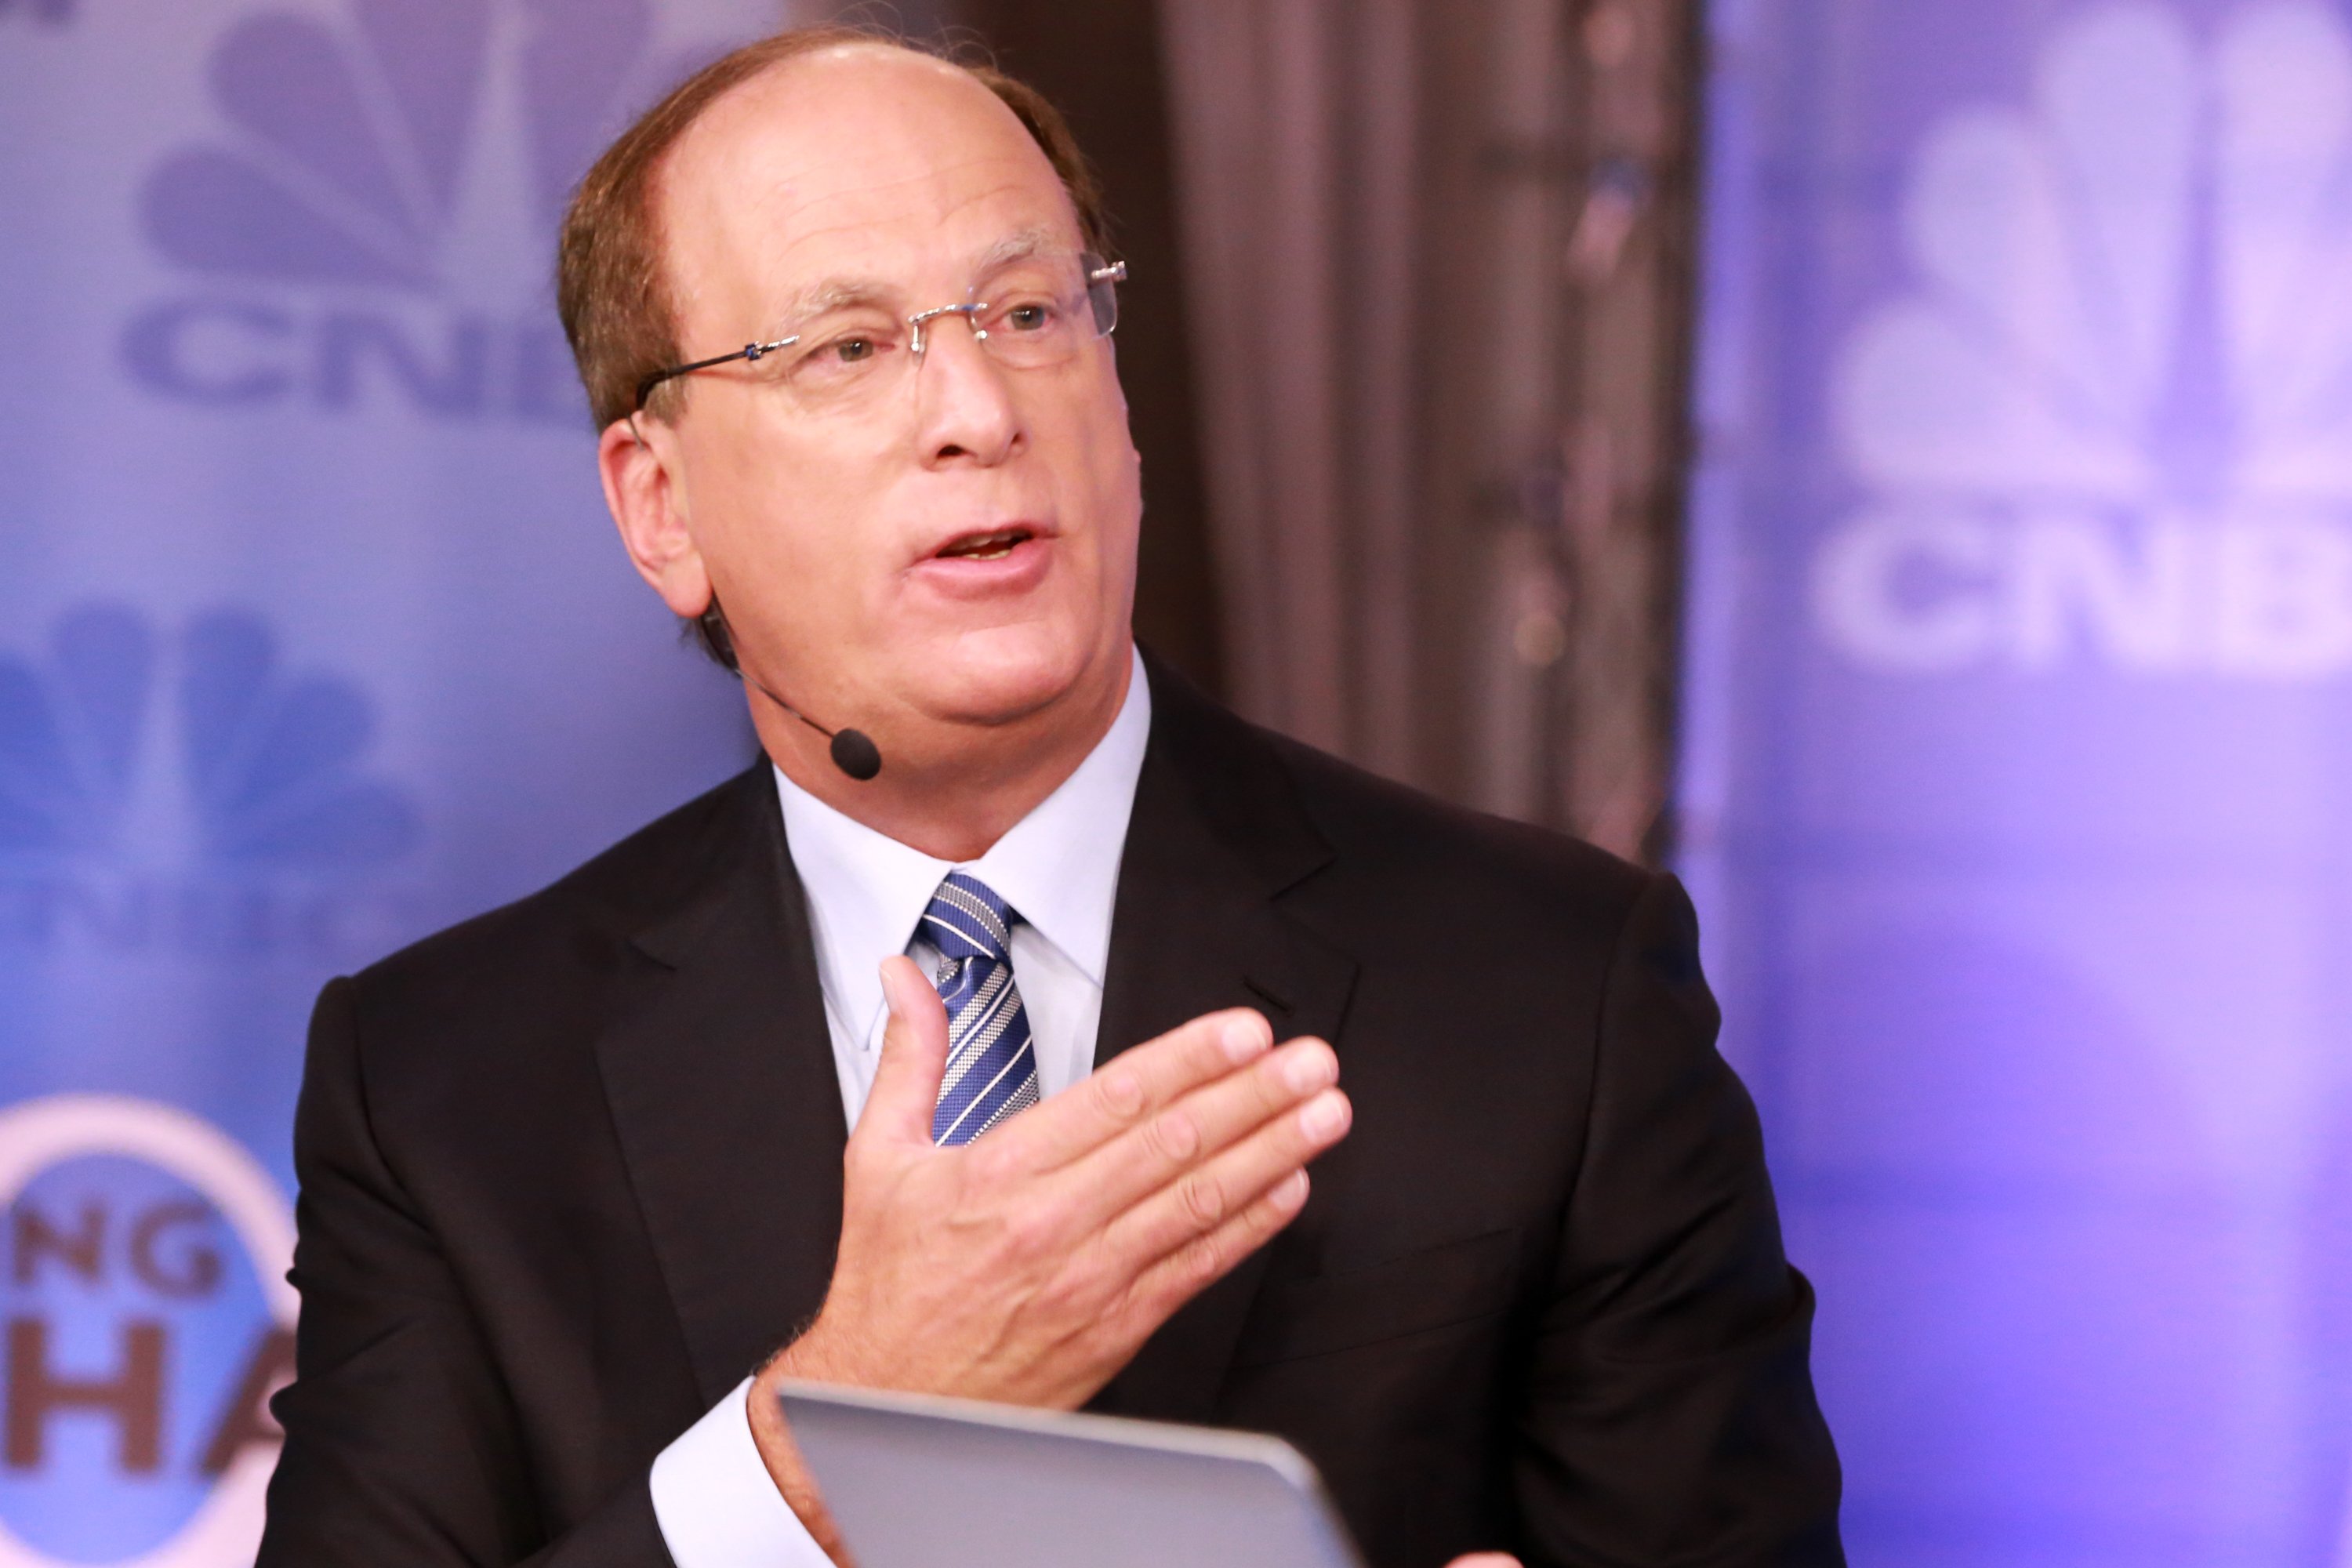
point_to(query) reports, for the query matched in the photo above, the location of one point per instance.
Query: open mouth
(987, 546)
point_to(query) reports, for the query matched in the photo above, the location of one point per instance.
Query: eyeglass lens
(1030, 313)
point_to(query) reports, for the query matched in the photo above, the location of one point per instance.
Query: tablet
(921, 1482)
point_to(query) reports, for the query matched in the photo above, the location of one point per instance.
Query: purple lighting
(2019, 757)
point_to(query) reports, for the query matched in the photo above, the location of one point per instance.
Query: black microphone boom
(853, 751)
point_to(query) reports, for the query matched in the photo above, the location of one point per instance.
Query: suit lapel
(719, 1071)
(723, 1093)
(1215, 834)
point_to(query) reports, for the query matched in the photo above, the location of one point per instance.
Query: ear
(638, 460)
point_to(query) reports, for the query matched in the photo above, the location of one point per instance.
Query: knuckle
(1201, 1259)
(1033, 1229)
(1203, 1198)
(1069, 1296)
(1175, 1136)
(1118, 1093)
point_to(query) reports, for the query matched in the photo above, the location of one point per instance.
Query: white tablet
(921, 1482)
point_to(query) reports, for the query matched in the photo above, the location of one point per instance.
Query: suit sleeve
(1671, 1413)
(401, 1443)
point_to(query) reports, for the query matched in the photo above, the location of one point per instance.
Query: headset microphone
(853, 751)
(854, 754)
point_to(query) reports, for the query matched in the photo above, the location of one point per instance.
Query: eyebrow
(1018, 246)
(830, 294)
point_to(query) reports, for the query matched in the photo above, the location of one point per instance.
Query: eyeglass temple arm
(748, 351)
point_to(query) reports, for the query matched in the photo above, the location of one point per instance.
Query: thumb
(914, 1056)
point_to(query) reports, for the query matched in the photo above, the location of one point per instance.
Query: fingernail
(1245, 1035)
(1311, 1065)
(1325, 1115)
(1291, 1191)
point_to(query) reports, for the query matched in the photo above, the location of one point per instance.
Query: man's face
(962, 551)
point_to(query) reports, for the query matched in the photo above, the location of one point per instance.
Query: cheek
(1119, 493)
(782, 520)
(1106, 455)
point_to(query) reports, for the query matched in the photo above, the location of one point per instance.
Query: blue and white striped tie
(991, 1069)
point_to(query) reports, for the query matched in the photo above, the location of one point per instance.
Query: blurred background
(1890, 462)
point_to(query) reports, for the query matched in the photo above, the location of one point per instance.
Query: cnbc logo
(2109, 422)
(182, 790)
(145, 1320)
(370, 221)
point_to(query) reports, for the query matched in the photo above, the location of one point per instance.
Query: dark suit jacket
(569, 1170)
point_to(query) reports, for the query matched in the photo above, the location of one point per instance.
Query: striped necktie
(991, 1069)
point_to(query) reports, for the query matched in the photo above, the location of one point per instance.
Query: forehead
(863, 158)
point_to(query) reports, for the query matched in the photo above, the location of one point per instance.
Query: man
(579, 1182)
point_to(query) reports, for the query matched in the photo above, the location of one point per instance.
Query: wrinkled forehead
(867, 161)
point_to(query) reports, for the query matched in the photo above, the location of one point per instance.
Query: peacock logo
(269, 760)
(373, 217)
(182, 788)
(2109, 421)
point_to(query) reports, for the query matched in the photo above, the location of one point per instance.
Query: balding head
(875, 158)
(613, 287)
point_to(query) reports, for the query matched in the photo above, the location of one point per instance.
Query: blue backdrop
(2017, 776)
(313, 636)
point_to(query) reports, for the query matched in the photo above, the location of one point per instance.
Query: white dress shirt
(1058, 869)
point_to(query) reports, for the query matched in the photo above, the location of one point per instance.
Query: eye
(839, 358)
(1029, 318)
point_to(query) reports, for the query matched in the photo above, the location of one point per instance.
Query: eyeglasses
(1028, 313)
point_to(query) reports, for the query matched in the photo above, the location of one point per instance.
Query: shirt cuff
(717, 1506)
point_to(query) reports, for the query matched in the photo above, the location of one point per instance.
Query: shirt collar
(1058, 867)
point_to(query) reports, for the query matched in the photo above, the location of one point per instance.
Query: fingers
(1210, 1255)
(1130, 1087)
(1199, 1124)
(1200, 1197)
(914, 1058)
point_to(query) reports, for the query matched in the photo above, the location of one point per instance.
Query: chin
(1002, 677)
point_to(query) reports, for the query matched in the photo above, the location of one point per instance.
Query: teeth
(987, 547)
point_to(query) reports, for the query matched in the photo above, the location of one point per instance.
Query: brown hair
(612, 286)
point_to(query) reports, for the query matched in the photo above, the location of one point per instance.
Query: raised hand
(1030, 1265)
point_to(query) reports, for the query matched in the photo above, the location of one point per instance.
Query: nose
(965, 406)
